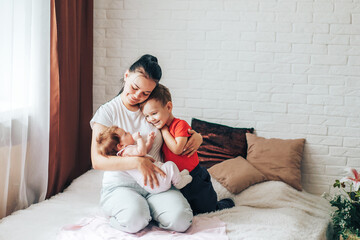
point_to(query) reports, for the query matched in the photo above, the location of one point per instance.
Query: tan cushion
(236, 174)
(277, 159)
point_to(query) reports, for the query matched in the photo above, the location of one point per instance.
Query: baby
(116, 141)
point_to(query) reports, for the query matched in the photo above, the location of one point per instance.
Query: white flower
(355, 180)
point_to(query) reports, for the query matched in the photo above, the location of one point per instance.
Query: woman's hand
(193, 143)
(149, 170)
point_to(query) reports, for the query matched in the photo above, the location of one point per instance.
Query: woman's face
(137, 88)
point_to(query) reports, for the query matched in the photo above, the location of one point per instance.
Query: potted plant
(346, 203)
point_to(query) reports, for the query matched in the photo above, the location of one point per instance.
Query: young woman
(128, 205)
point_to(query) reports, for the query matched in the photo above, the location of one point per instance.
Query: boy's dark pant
(200, 192)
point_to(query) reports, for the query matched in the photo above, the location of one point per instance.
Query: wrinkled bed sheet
(269, 210)
(97, 227)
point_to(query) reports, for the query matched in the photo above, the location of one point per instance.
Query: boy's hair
(107, 141)
(161, 94)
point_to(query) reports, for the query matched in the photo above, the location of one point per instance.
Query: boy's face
(156, 114)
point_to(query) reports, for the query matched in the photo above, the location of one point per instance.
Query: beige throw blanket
(274, 210)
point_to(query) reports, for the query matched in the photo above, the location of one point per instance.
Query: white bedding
(269, 210)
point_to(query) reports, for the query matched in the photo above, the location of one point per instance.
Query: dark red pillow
(220, 142)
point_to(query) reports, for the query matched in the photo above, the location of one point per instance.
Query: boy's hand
(136, 136)
(165, 128)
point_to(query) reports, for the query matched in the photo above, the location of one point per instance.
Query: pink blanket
(98, 228)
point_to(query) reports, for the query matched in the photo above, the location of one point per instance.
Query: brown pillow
(220, 142)
(236, 174)
(277, 159)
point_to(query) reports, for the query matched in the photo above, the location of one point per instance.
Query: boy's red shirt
(179, 128)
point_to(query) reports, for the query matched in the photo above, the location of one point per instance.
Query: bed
(262, 176)
(268, 210)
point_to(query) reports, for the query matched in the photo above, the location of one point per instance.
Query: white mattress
(269, 210)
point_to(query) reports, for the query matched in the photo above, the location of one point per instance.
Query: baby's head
(158, 107)
(112, 140)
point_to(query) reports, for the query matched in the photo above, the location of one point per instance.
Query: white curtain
(24, 102)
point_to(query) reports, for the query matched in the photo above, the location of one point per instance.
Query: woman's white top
(115, 113)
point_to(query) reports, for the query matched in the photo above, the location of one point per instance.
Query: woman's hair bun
(149, 58)
(149, 64)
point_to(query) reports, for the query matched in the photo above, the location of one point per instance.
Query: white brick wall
(289, 69)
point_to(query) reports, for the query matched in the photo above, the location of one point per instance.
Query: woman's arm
(193, 143)
(115, 163)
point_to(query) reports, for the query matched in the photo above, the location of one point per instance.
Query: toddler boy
(200, 192)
